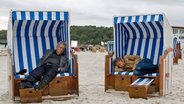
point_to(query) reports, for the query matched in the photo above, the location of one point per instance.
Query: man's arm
(64, 64)
(45, 56)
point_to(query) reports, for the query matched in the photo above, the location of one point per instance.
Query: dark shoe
(40, 85)
(23, 85)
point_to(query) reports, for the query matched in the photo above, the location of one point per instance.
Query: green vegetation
(84, 34)
(3, 34)
(91, 34)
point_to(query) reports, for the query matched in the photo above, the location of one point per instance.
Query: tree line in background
(85, 35)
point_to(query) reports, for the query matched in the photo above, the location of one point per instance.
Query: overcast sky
(97, 12)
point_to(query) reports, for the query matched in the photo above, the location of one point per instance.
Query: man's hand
(59, 69)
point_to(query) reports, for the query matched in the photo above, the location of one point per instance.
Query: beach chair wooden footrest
(29, 95)
(139, 88)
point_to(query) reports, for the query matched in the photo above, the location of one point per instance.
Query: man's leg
(50, 74)
(33, 77)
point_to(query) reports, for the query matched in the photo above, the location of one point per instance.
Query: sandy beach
(91, 84)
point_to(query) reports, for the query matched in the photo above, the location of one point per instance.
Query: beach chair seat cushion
(26, 75)
(131, 73)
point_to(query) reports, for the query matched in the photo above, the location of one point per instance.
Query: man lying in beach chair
(51, 63)
(136, 64)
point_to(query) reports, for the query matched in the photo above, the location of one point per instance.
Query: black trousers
(45, 72)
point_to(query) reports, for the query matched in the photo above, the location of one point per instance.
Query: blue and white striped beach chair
(110, 47)
(148, 36)
(30, 34)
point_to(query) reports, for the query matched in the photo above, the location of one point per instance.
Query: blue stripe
(154, 41)
(129, 18)
(32, 15)
(111, 63)
(122, 19)
(57, 15)
(49, 15)
(23, 15)
(14, 16)
(42, 32)
(40, 15)
(144, 18)
(115, 20)
(19, 45)
(140, 40)
(152, 17)
(119, 40)
(139, 80)
(160, 18)
(58, 29)
(137, 19)
(28, 50)
(35, 40)
(72, 70)
(66, 16)
(51, 35)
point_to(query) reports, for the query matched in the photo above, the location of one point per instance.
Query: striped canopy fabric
(33, 32)
(140, 35)
(110, 46)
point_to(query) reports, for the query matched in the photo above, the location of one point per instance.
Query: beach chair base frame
(63, 86)
(58, 86)
(138, 91)
(122, 82)
(30, 95)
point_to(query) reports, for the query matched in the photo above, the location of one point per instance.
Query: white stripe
(143, 82)
(24, 53)
(148, 18)
(16, 58)
(156, 17)
(136, 46)
(22, 76)
(137, 38)
(140, 18)
(47, 35)
(53, 14)
(38, 32)
(18, 14)
(156, 51)
(129, 46)
(32, 44)
(126, 19)
(150, 48)
(36, 15)
(118, 20)
(143, 47)
(130, 31)
(27, 15)
(45, 16)
(150, 40)
(61, 15)
(150, 29)
(157, 30)
(133, 19)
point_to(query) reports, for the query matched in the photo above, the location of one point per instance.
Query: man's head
(118, 62)
(61, 46)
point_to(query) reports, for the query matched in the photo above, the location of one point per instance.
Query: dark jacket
(63, 61)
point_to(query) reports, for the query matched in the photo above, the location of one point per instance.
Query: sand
(91, 84)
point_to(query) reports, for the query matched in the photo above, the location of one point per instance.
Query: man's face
(120, 64)
(60, 49)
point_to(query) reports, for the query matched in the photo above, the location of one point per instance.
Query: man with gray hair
(50, 64)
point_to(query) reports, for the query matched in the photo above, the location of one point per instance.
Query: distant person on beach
(50, 64)
(136, 64)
